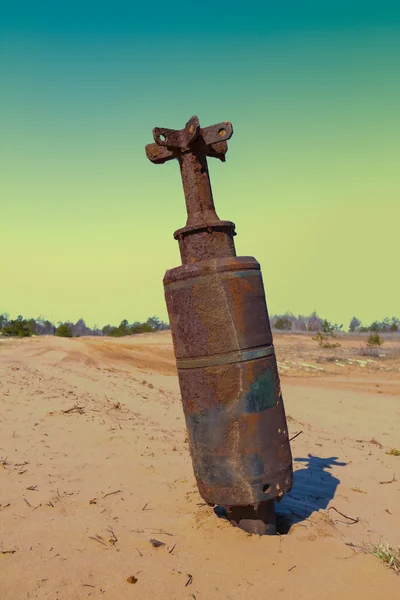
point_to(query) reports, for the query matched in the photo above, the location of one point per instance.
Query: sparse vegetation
(374, 340)
(283, 323)
(18, 327)
(328, 332)
(393, 452)
(289, 322)
(386, 326)
(21, 327)
(389, 556)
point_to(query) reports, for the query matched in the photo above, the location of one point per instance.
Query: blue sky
(311, 177)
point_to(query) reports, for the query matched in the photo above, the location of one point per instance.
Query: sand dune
(94, 464)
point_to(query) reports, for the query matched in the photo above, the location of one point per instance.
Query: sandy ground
(85, 489)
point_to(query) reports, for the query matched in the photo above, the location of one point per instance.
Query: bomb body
(225, 357)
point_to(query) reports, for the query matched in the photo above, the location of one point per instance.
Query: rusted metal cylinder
(226, 361)
(229, 380)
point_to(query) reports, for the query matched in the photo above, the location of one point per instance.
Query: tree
(283, 323)
(3, 321)
(31, 324)
(141, 328)
(157, 324)
(154, 322)
(354, 324)
(49, 328)
(64, 330)
(328, 332)
(375, 326)
(301, 323)
(80, 328)
(314, 322)
(17, 328)
(124, 327)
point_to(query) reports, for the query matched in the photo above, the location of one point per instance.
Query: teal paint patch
(261, 394)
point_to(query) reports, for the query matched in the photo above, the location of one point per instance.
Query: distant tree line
(314, 323)
(21, 327)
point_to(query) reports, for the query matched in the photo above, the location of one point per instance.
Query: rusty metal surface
(215, 240)
(237, 431)
(191, 146)
(223, 344)
(217, 306)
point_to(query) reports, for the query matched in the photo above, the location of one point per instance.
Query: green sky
(311, 179)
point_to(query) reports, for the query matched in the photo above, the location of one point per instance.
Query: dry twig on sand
(295, 436)
(394, 478)
(345, 516)
(97, 538)
(75, 408)
(112, 493)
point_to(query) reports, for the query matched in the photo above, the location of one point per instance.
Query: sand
(94, 464)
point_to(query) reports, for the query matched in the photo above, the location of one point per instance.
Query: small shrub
(393, 452)
(374, 340)
(389, 556)
(328, 332)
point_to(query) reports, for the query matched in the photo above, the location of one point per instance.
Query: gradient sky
(312, 177)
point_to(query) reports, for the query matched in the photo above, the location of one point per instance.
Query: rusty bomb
(225, 358)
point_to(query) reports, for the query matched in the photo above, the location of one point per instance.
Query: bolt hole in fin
(266, 488)
(222, 132)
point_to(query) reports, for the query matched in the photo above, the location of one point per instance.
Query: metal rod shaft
(197, 189)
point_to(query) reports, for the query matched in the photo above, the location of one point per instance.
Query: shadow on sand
(313, 488)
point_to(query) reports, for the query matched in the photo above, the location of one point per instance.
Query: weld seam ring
(225, 359)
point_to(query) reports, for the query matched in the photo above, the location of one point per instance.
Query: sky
(311, 178)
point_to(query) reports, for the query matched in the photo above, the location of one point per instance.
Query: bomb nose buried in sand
(223, 346)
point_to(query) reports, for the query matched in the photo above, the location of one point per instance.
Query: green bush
(374, 340)
(18, 327)
(283, 323)
(328, 332)
(64, 330)
(141, 328)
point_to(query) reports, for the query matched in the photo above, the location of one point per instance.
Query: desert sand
(94, 464)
